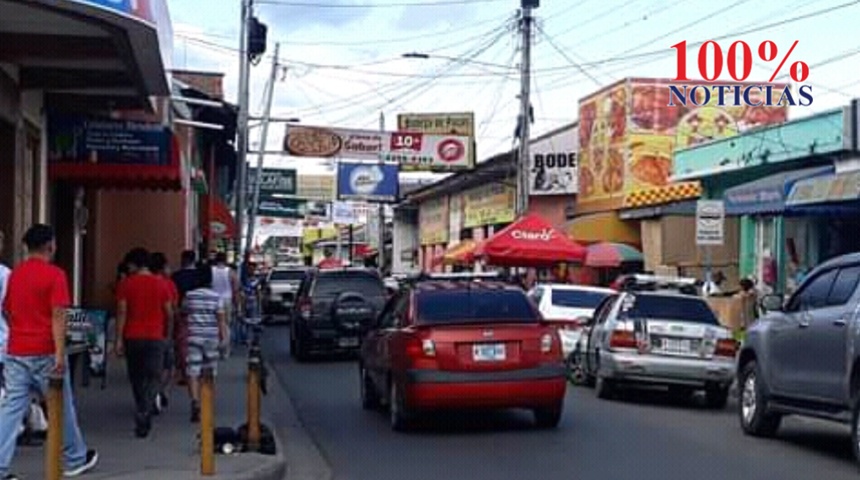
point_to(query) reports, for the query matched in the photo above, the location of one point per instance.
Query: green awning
(839, 187)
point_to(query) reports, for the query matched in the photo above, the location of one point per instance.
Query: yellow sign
(316, 187)
(489, 205)
(433, 221)
(462, 124)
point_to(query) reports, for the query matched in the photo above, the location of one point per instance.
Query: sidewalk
(170, 452)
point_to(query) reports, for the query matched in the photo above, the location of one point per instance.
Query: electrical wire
(437, 3)
(567, 57)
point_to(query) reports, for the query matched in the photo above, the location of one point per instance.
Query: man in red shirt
(144, 305)
(36, 298)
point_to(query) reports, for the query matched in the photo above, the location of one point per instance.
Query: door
(792, 359)
(596, 335)
(385, 339)
(828, 338)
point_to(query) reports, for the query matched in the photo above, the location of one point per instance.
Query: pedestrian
(144, 305)
(749, 303)
(713, 286)
(4, 326)
(185, 279)
(37, 297)
(225, 282)
(158, 266)
(208, 332)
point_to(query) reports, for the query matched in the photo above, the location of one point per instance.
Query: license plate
(676, 346)
(347, 342)
(492, 352)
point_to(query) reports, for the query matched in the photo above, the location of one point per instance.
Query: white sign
(343, 213)
(553, 165)
(710, 222)
(544, 235)
(419, 151)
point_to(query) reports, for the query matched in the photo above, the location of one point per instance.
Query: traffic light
(257, 32)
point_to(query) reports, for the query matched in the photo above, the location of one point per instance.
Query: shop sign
(710, 222)
(416, 151)
(94, 141)
(461, 124)
(343, 213)
(489, 205)
(553, 168)
(274, 181)
(279, 207)
(544, 235)
(316, 187)
(433, 221)
(368, 182)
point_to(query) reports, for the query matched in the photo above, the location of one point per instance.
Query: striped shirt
(200, 308)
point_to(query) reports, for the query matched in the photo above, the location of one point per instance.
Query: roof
(842, 260)
(767, 194)
(461, 285)
(576, 288)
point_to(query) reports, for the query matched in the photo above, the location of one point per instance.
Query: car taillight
(726, 347)
(623, 339)
(417, 348)
(305, 309)
(428, 347)
(546, 343)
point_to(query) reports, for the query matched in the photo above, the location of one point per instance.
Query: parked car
(334, 309)
(456, 343)
(660, 338)
(803, 358)
(279, 291)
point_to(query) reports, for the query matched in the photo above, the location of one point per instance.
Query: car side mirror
(772, 303)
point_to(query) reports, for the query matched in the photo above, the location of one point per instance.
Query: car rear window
(684, 309)
(576, 298)
(474, 306)
(288, 275)
(366, 284)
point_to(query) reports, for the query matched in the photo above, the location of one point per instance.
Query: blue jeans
(23, 375)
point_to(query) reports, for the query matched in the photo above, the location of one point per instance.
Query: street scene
(412, 239)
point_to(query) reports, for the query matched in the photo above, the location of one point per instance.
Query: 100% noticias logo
(739, 63)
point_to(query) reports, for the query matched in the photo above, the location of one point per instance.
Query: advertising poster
(489, 205)
(602, 156)
(553, 167)
(78, 139)
(87, 329)
(367, 182)
(416, 151)
(433, 221)
(460, 124)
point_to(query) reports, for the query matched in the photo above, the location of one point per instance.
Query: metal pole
(78, 246)
(242, 124)
(258, 179)
(525, 117)
(381, 247)
(351, 244)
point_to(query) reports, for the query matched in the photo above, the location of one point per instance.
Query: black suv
(334, 309)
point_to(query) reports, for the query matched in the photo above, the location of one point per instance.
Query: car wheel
(605, 388)
(548, 417)
(716, 397)
(754, 415)
(855, 428)
(575, 369)
(397, 409)
(369, 395)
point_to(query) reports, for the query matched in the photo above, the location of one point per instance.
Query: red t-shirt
(145, 296)
(34, 290)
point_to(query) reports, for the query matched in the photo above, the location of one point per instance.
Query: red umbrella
(331, 263)
(607, 254)
(531, 241)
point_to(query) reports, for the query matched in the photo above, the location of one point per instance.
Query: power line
(568, 58)
(438, 3)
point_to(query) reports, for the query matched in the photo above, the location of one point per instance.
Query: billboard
(433, 221)
(490, 204)
(553, 166)
(462, 124)
(316, 187)
(275, 180)
(367, 182)
(279, 207)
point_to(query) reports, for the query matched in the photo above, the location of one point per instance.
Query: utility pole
(523, 154)
(381, 252)
(264, 133)
(242, 126)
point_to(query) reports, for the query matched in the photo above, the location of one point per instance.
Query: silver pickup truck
(803, 357)
(279, 294)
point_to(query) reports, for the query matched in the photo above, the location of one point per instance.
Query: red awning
(530, 242)
(220, 223)
(130, 176)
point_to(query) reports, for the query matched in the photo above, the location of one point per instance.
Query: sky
(342, 60)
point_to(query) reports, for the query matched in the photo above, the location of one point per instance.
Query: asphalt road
(646, 437)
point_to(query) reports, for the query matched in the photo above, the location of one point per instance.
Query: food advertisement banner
(369, 182)
(489, 205)
(433, 221)
(553, 168)
(628, 135)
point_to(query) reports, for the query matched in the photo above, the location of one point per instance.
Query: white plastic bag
(36, 421)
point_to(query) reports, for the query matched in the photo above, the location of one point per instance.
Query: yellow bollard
(254, 389)
(54, 446)
(207, 423)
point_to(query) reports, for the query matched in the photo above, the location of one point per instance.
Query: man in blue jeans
(36, 297)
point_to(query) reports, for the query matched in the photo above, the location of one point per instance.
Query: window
(814, 292)
(844, 286)
(475, 306)
(366, 284)
(577, 298)
(386, 317)
(537, 294)
(672, 308)
(287, 275)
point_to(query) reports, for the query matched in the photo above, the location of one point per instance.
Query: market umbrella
(608, 254)
(462, 253)
(530, 241)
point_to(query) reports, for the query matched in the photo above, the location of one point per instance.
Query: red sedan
(451, 344)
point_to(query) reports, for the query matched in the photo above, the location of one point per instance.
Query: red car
(451, 344)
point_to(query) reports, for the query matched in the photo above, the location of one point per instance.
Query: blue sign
(368, 182)
(84, 140)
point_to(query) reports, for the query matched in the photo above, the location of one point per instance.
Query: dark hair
(221, 257)
(38, 237)
(189, 257)
(747, 284)
(157, 262)
(204, 276)
(137, 257)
